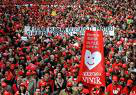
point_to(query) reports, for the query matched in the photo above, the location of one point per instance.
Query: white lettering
(92, 74)
(93, 80)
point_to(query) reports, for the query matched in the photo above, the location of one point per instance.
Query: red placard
(92, 70)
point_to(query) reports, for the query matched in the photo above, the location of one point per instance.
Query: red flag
(92, 70)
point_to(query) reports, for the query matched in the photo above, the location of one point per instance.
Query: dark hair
(60, 73)
(134, 73)
(50, 89)
(102, 88)
(23, 91)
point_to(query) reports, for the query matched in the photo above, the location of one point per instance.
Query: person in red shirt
(114, 88)
(126, 90)
(133, 91)
(48, 80)
(22, 90)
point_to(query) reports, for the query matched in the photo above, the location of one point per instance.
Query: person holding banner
(114, 88)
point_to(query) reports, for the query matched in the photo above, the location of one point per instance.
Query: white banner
(69, 30)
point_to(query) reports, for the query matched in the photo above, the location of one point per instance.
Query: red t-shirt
(133, 91)
(8, 75)
(14, 87)
(102, 94)
(114, 89)
(125, 91)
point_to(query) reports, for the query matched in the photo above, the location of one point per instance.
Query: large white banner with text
(69, 30)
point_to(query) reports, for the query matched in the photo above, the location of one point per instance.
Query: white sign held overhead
(109, 30)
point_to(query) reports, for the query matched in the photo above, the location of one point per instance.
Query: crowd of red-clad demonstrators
(49, 64)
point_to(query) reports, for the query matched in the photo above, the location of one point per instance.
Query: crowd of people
(49, 64)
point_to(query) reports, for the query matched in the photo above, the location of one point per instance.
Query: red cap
(37, 63)
(107, 74)
(129, 82)
(22, 58)
(119, 43)
(129, 17)
(43, 84)
(115, 78)
(108, 62)
(74, 79)
(74, 70)
(42, 48)
(27, 67)
(28, 73)
(34, 72)
(97, 86)
(56, 55)
(126, 72)
(122, 79)
(65, 66)
(110, 69)
(112, 49)
(35, 57)
(20, 72)
(5, 54)
(22, 84)
(32, 66)
(122, 39)
(12, 66)
(124, 66)
(69, 84)
(28, 58)
(130, 40)
(3, 84)
(120, 64)
(85, 91)
(64, 53)
(7, 93)
(116, 68)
